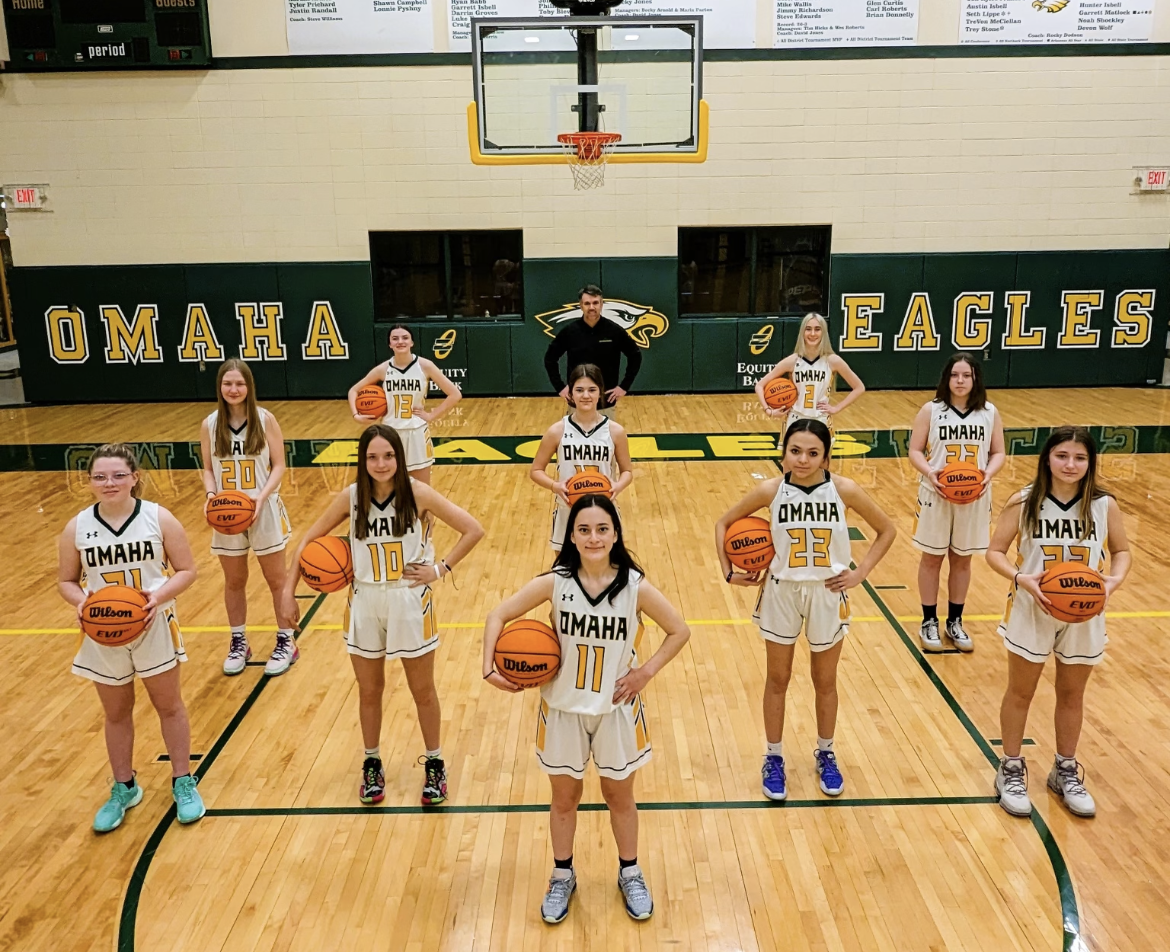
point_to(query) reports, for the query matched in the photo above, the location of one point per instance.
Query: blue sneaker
(188, 803)
(775, 784)
(113, 811)
(832, 782)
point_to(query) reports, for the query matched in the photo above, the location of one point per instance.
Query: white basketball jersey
(1062, 536)
(598, 645)
(133, 555)
(406, 390)
(954, 436)
(809, 532)
(238, 471)
(812, 379)
(381, 556)
(585, 450)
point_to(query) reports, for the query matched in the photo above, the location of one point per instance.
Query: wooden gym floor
(915, 856)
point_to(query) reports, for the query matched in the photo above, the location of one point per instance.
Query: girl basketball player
(958, 425)
(806, 586)
(243, 449)
(593, 707)
(390, 612)
(124, 540)
(406, 379)
(812, 366)
(584, 440)
(1063, 516)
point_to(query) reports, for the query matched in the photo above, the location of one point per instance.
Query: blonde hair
(826, 348)
(124, 452)
(254, 444)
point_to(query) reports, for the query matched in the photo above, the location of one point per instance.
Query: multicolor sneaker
(283, 656)
(1011, 786)
(239, 654)
(434, 789)
(1068, 780)
(958, 634)
(635, 892)
(373, 787)
(113, 811)
(775, 784)
(561, 887)
(832, 782)
(188, 804)
(928, 634)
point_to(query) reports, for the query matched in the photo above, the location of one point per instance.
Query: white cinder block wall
(952, 154)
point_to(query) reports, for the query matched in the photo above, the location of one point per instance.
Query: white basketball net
(587, 153)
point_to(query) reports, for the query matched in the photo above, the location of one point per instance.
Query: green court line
(129, 913)
(665, 805)
(1070, 915)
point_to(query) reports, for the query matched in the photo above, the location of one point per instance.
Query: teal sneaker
(113, 811)
(188, 803)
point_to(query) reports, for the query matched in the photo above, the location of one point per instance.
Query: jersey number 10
(386, 560)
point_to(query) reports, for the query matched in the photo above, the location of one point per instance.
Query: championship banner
(1056, 21)
(807, 23)
(360, 26)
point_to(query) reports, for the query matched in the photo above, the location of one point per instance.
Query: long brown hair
(405, 508)
(124, 452)
(254, 443)
(592, 371)
(1042, 485)
(977, 399)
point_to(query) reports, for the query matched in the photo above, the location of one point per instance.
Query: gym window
(740, 272)
(447, 275)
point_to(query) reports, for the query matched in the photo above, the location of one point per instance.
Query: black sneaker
(435, 785)
(373, 787)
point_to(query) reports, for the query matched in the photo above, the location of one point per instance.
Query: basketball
(327, 564)
(230, 512)
(528, 653)
(114, 615)
(780, 394)
(587, 483)
(960, 482)
(371, 402)
(748, 543)
(1076, 591)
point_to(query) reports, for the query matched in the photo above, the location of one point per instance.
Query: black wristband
(730, 572)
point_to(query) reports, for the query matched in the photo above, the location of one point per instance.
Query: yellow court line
(694, 623)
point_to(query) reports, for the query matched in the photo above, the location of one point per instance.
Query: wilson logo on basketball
(960, 479)
(104, 611)
(1080, 582)
(309, 577)
(227, 502)
(750, 542)
(584, 484)
(523, 667)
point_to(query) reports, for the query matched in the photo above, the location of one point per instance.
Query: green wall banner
(143, 333)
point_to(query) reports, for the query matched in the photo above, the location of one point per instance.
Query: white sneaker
(283, 656)
(1068, 780)
(238, 655)
(1011, 784)
(929, 635)
(958, 634)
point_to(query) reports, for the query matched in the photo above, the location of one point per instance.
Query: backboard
(536, 78)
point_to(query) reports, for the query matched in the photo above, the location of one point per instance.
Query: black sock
(563, 863)
(955, 610)
(175, 780)
(128, 784)
(929, 612)
(627, 863)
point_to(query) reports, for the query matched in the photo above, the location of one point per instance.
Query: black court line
(1070, 916)
(129, 914)
(662, 806)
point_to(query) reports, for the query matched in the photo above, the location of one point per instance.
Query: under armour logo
(91, 535)
(566, 596)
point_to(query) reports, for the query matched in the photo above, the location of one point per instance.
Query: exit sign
(1153, 180)
(26, 197)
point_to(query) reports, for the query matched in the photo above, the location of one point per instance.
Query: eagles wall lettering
(973, 317)
(136, 340)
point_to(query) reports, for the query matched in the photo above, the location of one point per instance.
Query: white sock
(239, 630)
(436, 754)
(824, 743)
(285, 632)
(374, 752)
(776, 749)
(1062, 761)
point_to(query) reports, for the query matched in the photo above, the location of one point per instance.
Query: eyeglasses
(101, 478)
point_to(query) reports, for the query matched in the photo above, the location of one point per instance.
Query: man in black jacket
(594, 340)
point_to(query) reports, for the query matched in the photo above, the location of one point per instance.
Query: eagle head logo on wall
(640, 321)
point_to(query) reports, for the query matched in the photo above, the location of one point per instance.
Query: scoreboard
(49, 35)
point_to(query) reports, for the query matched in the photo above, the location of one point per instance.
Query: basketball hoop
(587, 153)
